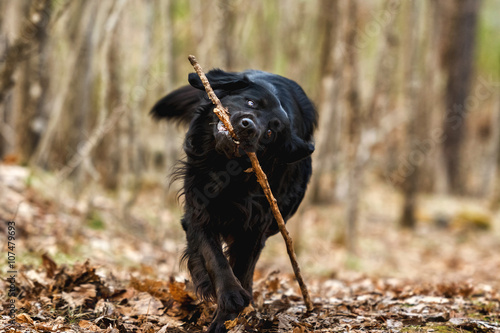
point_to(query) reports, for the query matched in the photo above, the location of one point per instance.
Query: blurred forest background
(408, 94)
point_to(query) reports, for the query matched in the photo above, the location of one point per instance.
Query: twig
(219, 109)
(93, 140)
(223, 115)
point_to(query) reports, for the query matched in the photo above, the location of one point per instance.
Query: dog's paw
(234, 300)
(218, 325)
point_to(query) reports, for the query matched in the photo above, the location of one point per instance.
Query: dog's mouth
(222, 129)
(224, 143)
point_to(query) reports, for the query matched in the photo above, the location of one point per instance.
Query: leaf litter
(100, 295)
(60, 298)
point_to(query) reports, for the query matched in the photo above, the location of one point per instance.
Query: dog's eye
(251, 103)
(269, 133)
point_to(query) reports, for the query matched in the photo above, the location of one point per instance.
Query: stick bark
(223, 115)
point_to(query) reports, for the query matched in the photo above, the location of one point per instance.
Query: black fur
(224, 205)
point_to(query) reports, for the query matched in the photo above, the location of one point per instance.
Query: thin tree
(227, 38)
(48, 153)
(458, 61)
(410, 184)
(329, 92)
(33, 85)
(31, 38)
(353, 126)
(495, 200)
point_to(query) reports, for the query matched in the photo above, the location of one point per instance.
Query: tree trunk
(171, 141)
(386, 68)
(495, 200)
(49, 151)
(112, 97)
(459, 60)
(412, 85)
(33, 86)
(329, 92)
(353, 127)
(29, 47)
(6, 131)
(134, 154)
(226, 35)
(431, 97)
(82, 97)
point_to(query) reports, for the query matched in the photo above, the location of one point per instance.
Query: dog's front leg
(230, 295)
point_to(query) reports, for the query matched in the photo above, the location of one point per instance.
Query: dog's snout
(246, 128)
(247, 123)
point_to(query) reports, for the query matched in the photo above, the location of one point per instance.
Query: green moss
(29, 180)
(353, 262)
(95, 221)
(472, 220)
(434, 328)
(445, 329)
(412, 329)
(488, 44)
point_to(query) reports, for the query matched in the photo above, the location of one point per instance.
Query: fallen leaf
(163, 329)
(299, 329)
(145, 304)
(153, 287)
(49, 265)
(147, 328)
(85, 324)
(23, 318)
(178, 292)
(45, 327)
(230, 324)
(80, 295)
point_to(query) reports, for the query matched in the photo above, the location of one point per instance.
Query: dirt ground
(83, 263)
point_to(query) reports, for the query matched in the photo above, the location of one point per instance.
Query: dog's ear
(297, 149)
(180, 105)
(220, 80)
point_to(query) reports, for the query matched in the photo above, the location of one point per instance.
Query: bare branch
(219, 110)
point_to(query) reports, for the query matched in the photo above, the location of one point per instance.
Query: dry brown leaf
(105, 308)
(23, 318)
(145, 304)
(169, 322)
(299, 329)
(273, 284)
(246, 311)
(147, 328)
(154, 288)
(111, 330)
(230, 324)
(85, 324)
(60, 327)
(80, 295)
(49, 265)
(163, 329)
(123, 294)
(178, 292)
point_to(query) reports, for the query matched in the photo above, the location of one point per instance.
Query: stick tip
(192, 59)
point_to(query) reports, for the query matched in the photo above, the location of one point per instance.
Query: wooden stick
(219, 109)
(223, 115)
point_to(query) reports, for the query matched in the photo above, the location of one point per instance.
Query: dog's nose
(247, 123)
(248, 127)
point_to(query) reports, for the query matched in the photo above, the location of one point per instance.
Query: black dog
(227, 217)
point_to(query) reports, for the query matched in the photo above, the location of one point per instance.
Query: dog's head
(261, 113)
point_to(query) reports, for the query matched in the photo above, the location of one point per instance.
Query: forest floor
(84, 265)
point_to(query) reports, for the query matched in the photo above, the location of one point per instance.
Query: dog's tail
(180, 105)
